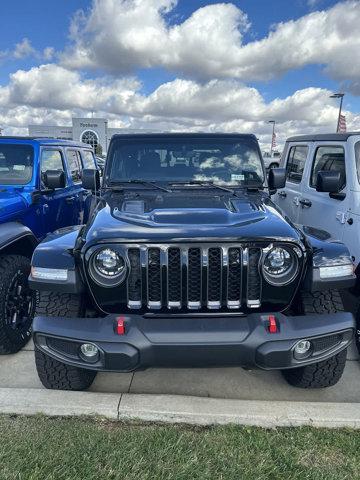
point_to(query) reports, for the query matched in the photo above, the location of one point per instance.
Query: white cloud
(313, 3)
(121, 35)
(51, 94)
(24, 49)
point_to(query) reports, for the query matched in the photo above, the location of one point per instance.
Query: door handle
(70, 200)
(305, 203)
(282, 194)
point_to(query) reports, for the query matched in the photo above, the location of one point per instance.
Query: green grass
(53, 448)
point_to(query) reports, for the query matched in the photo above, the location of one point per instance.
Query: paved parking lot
(18, 371)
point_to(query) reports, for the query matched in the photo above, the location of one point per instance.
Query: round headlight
(109, 263)
(280, 266)
(107, 267)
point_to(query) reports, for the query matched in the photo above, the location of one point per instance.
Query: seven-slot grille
(193, 277)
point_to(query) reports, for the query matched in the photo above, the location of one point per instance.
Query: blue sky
(46, 24)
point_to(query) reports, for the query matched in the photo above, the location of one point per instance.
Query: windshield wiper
(206, 184)
(142, 182)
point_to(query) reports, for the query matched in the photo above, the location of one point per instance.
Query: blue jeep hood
(12, 203)
(184, 216)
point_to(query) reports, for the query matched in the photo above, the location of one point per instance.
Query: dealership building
(94, 131)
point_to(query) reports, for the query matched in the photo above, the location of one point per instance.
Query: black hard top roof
(47, 141)
(327, 137)
(183, 134)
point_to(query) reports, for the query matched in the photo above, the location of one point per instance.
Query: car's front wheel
(17, 303)
(52, 373)
(327, 372)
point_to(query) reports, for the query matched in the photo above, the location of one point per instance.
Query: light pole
(341, 96)
(272, 136)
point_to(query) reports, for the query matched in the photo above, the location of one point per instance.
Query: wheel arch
(325, 252)
(17, 239)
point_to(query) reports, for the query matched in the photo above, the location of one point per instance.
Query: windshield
(16, 164)
(226, 161)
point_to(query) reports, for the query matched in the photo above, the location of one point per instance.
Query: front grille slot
(254, 278)
(174, 277)
(194, 277)
(214, 278)
(234, 278)
(134, 280)
(154, 278)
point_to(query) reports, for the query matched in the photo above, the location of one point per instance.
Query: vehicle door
(320, 209)
(56, 205)
(73, 159)
(288, 197)
(88, 161)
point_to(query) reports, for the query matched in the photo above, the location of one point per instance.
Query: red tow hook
(120, 325)
(272, 328)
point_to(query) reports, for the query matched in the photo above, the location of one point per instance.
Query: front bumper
(193, 341)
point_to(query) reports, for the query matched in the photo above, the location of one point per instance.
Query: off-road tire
(59, 376)
(327, 372)
(328, 301)
(318, 375)
(14, 337)
(52, 373)
(55, 304)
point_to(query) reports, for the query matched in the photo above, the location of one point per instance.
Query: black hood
(197, 214)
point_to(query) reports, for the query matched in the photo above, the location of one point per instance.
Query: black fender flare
(13, 232)
(56, 251)
(325, 252)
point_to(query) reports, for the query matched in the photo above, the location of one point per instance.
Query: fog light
(89, 352)
(302, 349)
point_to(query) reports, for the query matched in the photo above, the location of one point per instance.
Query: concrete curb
(30, 401)
(179, 409)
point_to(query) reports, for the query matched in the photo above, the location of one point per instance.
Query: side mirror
(90, 179)
(328, 181)
(54, 179)
(277, 178)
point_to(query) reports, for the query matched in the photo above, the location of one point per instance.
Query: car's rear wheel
(17, 303)
(54, 374)
(327, 372)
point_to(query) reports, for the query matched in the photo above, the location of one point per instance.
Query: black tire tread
(54, 374)
(327, 301)
(327, 372)
(8, 265)
(318, 375)
(55, 304)
(59, 376)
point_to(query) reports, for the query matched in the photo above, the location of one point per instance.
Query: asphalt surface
(18, 371)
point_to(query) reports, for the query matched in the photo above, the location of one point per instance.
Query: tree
(98, 150)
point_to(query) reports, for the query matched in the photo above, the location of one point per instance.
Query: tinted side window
(74, 164)
(357, 157)
(51, 160)
(296, 163)
(87, 159)
(329, 158)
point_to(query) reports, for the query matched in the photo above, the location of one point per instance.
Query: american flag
(342, 124)
(273, 141)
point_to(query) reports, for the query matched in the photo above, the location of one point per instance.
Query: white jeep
(323, 187)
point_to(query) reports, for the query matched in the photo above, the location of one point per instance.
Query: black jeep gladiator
(186, 261)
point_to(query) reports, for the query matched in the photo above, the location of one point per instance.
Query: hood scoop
(136, 207)
(230, 213)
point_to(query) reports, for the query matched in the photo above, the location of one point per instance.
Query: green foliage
(98, 150)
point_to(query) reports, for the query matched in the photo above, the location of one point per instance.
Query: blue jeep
(40, 191)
